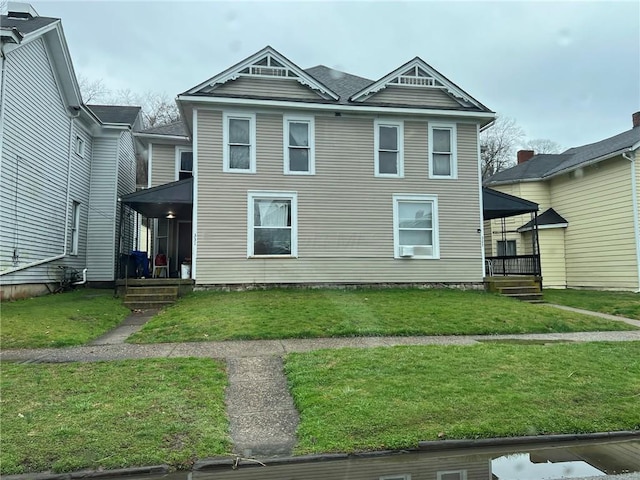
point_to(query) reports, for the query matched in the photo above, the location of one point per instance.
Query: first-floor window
(79, 147)
(415, 224)
(507, 248)
(452, 475)
(272, 224)
(75, 228)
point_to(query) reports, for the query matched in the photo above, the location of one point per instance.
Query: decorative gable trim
(417, 74)
(267, 63)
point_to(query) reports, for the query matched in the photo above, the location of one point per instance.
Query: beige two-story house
(589, 228)
(316, 176)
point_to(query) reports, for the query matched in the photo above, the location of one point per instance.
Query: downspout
(66, 217)
(636, 210)
(481, 200)
(194, 209)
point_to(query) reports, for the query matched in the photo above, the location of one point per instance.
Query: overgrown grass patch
(272, 314)
(59, 320)
(111, 415)
(624, 304)
(392, 398)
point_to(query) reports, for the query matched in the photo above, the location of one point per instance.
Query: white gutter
(636, 210)
(334, 107)
(66, 216)
(159, 136)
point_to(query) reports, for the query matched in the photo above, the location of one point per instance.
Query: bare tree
(92, 90)
(543, 145)
(498, 145)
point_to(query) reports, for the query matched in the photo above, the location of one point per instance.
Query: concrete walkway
(262, 416)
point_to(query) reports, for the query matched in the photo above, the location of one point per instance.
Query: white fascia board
(159, 136)
(543, 227)
(335, 107)
(232, 72)
(635, 146)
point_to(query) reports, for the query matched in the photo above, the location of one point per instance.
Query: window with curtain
(299, 145)
(388, 139)
(272, 224)
(416, 225)
(442, 151)
(239, 137)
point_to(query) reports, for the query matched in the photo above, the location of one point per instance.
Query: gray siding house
(63, 164)
(318, 176)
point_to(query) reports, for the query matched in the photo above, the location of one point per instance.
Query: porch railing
(513, 265)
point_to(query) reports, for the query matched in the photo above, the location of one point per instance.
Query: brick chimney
(524, 155)
(636, 119)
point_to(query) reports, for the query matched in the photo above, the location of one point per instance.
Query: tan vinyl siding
(163, 164)
(552, 256)
(266, 87)
(345, 220)
(416, 96)
(600, 240)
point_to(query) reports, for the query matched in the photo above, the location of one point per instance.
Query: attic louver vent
(268, 67)
(415, 76)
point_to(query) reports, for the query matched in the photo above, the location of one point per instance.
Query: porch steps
(145, 298)
(524, 288)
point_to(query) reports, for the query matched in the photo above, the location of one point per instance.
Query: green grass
(60, 320)
(624, 304)
(111, 415)
(392, 398)
(273, 314)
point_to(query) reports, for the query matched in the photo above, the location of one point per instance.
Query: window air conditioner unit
(406, 251)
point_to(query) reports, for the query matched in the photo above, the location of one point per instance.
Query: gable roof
(282, 67)
(344, 84)
(549, 219)
(425, 76)
(541, 167)
(26, 26)
(120, 114)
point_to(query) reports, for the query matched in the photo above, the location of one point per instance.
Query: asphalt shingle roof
(177, 129)
(547, 165)
(548, 217)
(26, 25)
(342, 83)
(122, 114)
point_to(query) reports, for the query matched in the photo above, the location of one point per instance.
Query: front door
(184, 242)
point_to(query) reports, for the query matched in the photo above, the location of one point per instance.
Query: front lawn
(624, 304)
(272, 314)
(111, 415)
(60, 320)
(392, 398)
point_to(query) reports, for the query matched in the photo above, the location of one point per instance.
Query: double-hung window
(239, 139)
(75, 228)
(388, 144)
(299, 155)
(507, 248)
(443, 161)
(272, 224)
(415, 226)
(184, 163)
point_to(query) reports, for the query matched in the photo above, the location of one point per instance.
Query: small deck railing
(513, 265)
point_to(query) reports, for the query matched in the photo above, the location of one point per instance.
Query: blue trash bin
(142, 263)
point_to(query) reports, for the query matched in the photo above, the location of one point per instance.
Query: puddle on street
(548, 461)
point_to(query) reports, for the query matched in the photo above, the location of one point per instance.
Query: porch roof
(498, 205)
(171, 198)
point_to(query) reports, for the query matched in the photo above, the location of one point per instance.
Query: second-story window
(239, 138)
(184, 163)
(388, 139)
(442, 151)
(79, 147)
(299, 155)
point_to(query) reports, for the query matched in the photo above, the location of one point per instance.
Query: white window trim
(454, 148)
(75, 228)
(256, 194)
(462, 473)
(179, 151)
(377, 123)
(285, 143)
(226, 116)
(402, 476)
(434, 225)
(80, 146)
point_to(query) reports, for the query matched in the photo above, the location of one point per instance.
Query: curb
(508, 441)
(116, 473)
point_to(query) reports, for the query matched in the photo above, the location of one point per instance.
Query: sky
(565, 71)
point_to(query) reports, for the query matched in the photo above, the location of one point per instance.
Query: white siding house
(56, 156)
